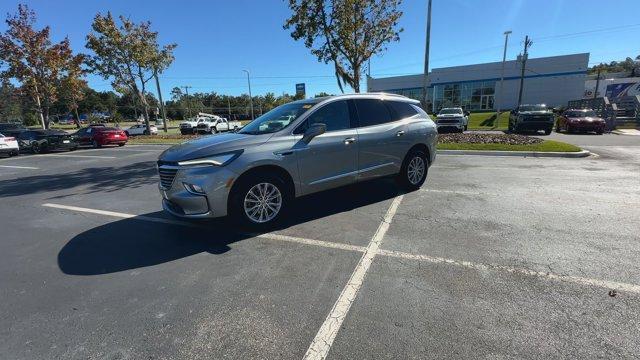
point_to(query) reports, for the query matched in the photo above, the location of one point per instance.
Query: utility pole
(523, 59)
(504, 59)
(186, 90)
(595, 92)
(164, 115)
(250, 97)
(426, 57)
(229, 107)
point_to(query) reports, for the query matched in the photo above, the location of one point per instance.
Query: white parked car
(216, 125)
(453, 118)
(141, 129)
(9, 145)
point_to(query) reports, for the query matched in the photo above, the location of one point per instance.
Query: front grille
(167, 174)
(448, 121)
(537, 118)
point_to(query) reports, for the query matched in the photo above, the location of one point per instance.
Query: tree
(129, 54)
(345, 32)
(73, 87)
(35, 62)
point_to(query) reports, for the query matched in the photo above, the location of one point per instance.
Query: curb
(577, 154)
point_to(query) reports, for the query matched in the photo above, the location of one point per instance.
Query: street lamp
(504, 58)
(250, 97)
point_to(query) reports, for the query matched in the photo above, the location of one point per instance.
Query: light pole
(250, 97)
(504, 59)
(426, 57)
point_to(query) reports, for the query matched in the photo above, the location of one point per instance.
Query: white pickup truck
(216, 125)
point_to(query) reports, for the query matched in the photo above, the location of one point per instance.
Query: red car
(582, 120)
(99, 136)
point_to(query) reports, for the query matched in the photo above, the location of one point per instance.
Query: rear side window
(401, 110)
(372, 112)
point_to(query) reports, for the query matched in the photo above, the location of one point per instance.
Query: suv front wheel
(260, 202)
(414, 170)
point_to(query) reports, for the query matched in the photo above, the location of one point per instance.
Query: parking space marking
(323, 340)
(321, 243)
(120, 215)
(452, 192)
(19, 167)
(268, 236)
(632, 288)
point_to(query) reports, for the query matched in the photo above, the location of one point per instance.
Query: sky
(218, 39)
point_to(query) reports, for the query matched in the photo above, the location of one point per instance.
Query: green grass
(487, 121)
(545, 146)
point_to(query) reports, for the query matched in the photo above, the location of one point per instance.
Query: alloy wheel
(415, 170)
(262, 203)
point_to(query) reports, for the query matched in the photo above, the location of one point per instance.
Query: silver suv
(297, 149)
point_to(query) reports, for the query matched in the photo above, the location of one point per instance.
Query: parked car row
(44, 140)
(208, 124)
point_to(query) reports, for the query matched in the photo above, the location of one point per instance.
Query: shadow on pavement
(99, 179)
(130, 243)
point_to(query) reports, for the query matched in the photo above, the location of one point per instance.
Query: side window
(335, 115)
(372, 112)
(401, 110)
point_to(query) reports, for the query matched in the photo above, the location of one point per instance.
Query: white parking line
(632, 288)
(120, 215)
(75, 156)
(450, 191)
(321, 344)
(19, 167)
(312, 242)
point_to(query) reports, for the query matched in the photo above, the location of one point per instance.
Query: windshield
(451, 111)
(534, 108)
(277, 119)
(587, 113)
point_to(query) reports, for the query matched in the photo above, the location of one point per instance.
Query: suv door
(383, 143)
(330, 159)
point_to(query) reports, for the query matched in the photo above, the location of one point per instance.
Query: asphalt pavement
(495, 257)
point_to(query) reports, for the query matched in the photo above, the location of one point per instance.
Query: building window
(477, 95)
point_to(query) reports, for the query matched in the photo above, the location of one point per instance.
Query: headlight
(215, 160)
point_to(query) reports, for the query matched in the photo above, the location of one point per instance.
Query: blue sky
(217, 39)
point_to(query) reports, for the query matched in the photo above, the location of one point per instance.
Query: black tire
(403, 176)
(120, 145)
(599, 132)
(568, 129)
(184, 132)
(127, 133)
(558, 127)
(146, 132)
(240, 192)
(547, 131)
(465, 127)
(510, 127)
(214, 131)
(36, 148)
(73, 148)
(95, 144)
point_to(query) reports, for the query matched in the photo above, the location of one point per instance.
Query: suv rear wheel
(260, 202)
(414, 170)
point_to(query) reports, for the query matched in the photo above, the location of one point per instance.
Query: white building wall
(552, 80)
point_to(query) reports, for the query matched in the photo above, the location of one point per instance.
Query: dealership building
(550, 80)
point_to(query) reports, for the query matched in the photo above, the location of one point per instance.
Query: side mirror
(313, 131)
(467, 113)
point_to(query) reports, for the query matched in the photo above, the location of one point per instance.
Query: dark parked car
(12, 129)
(531, 118)
(40, 141)
(98, 136)
(582, 120)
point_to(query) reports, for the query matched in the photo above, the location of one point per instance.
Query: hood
(539, 112)
(211, 145)
(587, 118)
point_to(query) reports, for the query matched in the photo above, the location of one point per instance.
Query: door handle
(400, 133)
(348, 141)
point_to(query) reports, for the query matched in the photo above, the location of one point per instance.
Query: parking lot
(495, 257)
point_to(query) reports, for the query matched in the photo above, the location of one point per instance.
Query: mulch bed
(482, 138)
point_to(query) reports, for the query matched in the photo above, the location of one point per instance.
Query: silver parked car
(297, 149)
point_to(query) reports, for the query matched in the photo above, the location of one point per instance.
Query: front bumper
(588, 126)
(535, 125)
(216, 183)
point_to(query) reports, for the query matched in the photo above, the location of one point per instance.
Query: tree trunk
(356, 78)
(39, 106)
(145, 106)
(75, 109)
